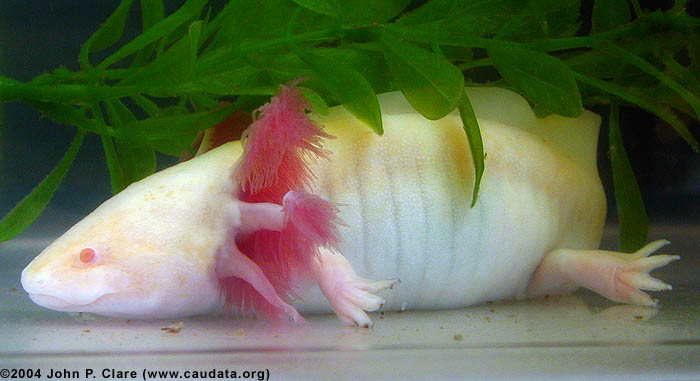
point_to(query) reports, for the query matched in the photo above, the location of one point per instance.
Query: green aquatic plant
(156, 92)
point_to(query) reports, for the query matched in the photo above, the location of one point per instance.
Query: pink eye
(87, 255)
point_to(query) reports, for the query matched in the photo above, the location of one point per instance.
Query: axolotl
(344, 213)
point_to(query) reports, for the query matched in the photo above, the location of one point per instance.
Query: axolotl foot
(349, 295)
(620, 277)
(303, 215)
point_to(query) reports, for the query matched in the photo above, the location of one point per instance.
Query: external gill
(274, 170)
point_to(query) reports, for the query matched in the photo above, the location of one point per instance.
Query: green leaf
(457, 22)
(371, 65)
(357, 11)
(601, 65)
(111, 31)
(188, 11)
(431, 84)
(267, 19)
(438, 10)
(116, 174)
(283, 68)
(681, 74)
(634, 224)
(178, 124)
(70, 94)
(541, 19)
(692, 42)
(136, 157)
(609, 14)
(624, 55)
(318, 105)
(679, 5)
(147, 105)
(472, 18)
(71, 116)
(22, 215)
(235, 81)
(176, 62)
(152, 12)
(195, 31)
(172, 135)
(644, 102)
(212, 26)
(1, 142)
(666, 98)
(227, 78)
(559, 17)
(637, 8)
(264, 21)
(476, 145)
(108, 33)
(348, 86)
(544, 80)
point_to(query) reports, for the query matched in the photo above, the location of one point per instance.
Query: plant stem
(231, 51)
(476, 63)
(545, 45)
(70, 94)
(659, 110)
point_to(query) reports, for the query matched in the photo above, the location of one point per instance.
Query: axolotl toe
(167, 245)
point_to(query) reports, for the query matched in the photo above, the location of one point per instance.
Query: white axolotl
(161, 247)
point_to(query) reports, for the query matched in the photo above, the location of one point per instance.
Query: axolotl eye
(87, 256)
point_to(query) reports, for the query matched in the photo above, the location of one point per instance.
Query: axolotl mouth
(58, 304)
(42, 289)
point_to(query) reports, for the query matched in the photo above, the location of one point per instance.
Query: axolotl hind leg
(620, 277)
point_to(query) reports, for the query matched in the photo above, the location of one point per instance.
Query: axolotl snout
(364, 211)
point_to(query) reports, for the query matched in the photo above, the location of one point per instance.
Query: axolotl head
(80, 277)
(173, 243)
(146, 252)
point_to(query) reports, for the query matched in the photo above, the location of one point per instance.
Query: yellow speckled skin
(156, 241)
(406, 202)
(408, 193)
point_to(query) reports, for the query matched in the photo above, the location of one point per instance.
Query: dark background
(39, 35)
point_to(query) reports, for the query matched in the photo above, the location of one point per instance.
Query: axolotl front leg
(282, 236)
(349, 294)
(231, 262)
